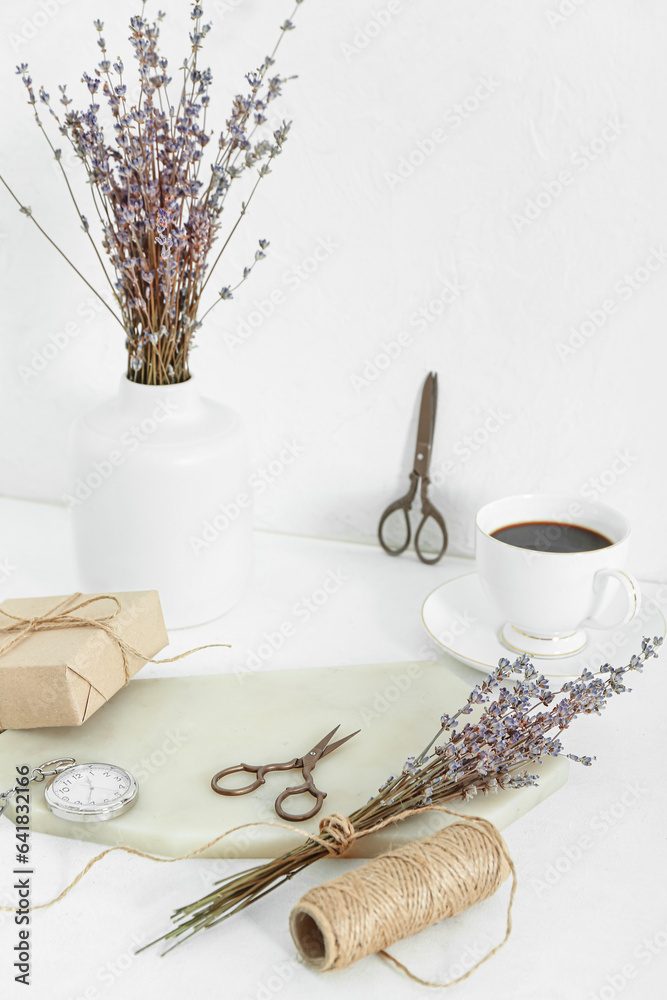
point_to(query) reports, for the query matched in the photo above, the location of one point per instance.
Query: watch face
(91, 792)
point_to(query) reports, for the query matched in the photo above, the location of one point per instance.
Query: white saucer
(461, 620)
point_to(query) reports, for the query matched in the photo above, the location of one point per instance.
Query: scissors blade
(322, 748)
(338, 743)
(426, 425)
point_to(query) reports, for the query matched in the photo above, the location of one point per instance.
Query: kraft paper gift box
(59, 676)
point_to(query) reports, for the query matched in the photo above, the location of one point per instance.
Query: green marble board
(173, 734)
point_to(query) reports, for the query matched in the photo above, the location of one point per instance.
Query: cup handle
(632, 591)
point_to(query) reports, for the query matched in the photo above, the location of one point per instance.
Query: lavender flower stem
(28, 212)
(86, 228)
(224, 246)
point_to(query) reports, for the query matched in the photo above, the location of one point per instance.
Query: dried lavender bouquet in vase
(159, 488)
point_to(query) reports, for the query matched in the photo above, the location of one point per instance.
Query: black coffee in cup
(551, 536)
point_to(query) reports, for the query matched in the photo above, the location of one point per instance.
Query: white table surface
(590, 917)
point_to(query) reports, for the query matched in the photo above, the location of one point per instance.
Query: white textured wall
(478, 178)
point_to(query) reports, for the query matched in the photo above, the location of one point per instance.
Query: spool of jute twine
(391, 897)
(400, 893)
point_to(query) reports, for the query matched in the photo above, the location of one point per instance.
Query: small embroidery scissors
(306, 763)
(421, 467)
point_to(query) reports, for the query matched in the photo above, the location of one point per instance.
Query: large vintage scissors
(420, 470)
(306, 763)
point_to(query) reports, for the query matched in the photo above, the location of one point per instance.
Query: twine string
(341, 831)
(57, 619)
(338, 835)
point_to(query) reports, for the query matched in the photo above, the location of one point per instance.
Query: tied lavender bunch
(518, 724)
(158, 205)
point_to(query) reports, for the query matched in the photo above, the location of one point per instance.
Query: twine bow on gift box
(57, 618)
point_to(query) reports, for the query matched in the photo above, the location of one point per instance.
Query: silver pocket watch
(82, 793)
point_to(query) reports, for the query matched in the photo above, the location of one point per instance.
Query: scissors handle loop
(309, 787)
(429, 511)
(260, 771)
(404, 504)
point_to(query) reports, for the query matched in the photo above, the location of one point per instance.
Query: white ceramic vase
(160, 499)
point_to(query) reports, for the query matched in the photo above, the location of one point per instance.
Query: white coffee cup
(548, 598)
